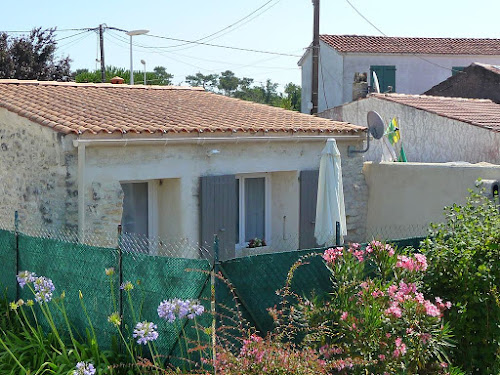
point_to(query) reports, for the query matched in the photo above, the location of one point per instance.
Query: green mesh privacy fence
(257, 278)
(76, 267)
(8, 263)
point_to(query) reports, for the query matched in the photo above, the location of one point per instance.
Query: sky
(278, 26)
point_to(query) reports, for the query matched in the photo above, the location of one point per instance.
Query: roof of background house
(107, 109)
(479, 112)
(404, 45)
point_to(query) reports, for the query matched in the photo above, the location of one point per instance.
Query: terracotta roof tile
(405, 45)
(479, 112)
(106, 109)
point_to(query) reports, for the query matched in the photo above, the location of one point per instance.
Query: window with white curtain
(253, 211)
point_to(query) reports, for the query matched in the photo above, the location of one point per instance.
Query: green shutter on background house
(218, 210)
(456, 69)
(386, 77)
(307, 216)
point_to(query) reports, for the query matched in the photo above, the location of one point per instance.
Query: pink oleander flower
(332, 254)
(417, 263)
(394, 310)
(424, 337)
(344, 315)
(381, 357)
(400, 348)
(431, 309)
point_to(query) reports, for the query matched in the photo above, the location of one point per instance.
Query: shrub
(464, 259)
(382, 324)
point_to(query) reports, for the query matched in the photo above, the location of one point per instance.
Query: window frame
(241, 204)
(152, 205)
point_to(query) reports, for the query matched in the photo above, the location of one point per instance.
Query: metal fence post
(120, 280)
(16, 234)
(337, 233)
(214, 299)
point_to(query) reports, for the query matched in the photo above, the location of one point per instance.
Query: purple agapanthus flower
(176, 308)
(43, 289)
(83, 368)
(145, 332)
(25, 277)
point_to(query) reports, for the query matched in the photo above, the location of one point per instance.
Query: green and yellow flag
(393, 132)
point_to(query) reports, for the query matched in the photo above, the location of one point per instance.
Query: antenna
(375, 128)
(376, 83)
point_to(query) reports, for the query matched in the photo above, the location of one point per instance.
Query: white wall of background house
(426, 136)
(415, 74)
(174, 170)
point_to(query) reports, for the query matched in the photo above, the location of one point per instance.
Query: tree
(32, 57)
(228, 82)
(159, 76)
(294, 93)
(208, 82)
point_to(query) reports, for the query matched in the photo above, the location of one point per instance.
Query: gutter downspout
(81, 190)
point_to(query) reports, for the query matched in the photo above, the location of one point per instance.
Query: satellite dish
(375, 83)
(375, 124)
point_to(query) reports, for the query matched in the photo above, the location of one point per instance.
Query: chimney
(117, 80)
(359, 86)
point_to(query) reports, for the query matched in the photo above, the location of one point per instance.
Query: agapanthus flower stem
(11, 354)
(199, 342)
(62, 309)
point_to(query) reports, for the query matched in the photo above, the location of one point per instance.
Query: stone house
(175, 163)
(407, 65)
(433, 129)
(479, 81)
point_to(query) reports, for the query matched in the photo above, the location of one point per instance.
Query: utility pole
(315, 59)
(101, 41)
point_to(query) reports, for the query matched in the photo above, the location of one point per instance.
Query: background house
(408, 65)
(176, 163)
(480, 81)
(433, 129)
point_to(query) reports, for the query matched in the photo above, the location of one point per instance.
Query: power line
(233, 24)
(221, 46)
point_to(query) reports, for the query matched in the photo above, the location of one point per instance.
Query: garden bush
(376, 324)
(464, 265)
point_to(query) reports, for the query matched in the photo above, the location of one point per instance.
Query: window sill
(247, 251)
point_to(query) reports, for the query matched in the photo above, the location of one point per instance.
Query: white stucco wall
(427, 137)
(415, 74)
(38, 176)
(330, 73)
(180, 166)
(405, 197)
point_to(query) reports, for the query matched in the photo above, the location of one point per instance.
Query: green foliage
(464, 258)
(243, 88)
(208, 82)
(373, 324)
(158, 76)
(32, 57)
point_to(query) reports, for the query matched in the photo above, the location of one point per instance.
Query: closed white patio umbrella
(330, 202)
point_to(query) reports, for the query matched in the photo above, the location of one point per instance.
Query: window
(386, 75)
(138, 224)
(253, 209)
(456, 69)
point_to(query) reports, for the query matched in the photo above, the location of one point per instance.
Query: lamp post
(131, 34)
(144, 63)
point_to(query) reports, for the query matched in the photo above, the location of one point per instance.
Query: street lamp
(144, 63)
(131, 34)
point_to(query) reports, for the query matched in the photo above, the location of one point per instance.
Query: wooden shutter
(218, 208)
(386, 76)
(308, 196)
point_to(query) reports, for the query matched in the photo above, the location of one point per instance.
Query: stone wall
(38, 174)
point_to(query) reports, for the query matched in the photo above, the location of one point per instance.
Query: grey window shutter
(308, 196)
(218, 208)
